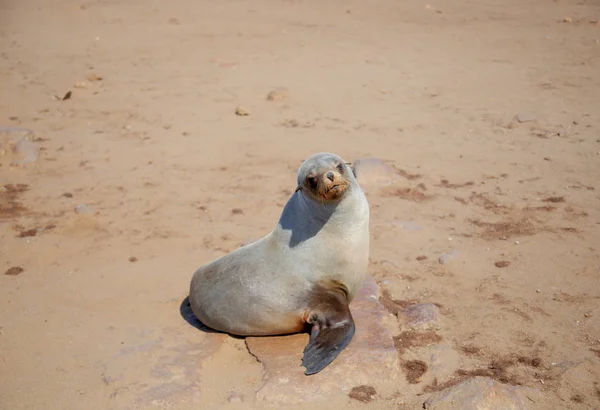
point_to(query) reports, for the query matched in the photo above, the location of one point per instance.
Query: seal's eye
(340, 167)
(312, 182)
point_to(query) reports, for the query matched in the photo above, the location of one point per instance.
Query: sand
(490, 110)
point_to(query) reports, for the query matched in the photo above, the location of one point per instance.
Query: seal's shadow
(303, 229)
(186, 313)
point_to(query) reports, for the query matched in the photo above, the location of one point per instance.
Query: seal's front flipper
(332, 329)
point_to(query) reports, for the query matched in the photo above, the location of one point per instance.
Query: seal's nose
(330, 176)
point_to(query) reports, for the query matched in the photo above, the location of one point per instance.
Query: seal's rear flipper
(332, 330)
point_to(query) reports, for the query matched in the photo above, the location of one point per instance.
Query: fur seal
(304, 273)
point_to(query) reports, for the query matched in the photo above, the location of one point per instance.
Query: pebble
(447, 257)
(241, 111)
(522, 117)
(502, 264)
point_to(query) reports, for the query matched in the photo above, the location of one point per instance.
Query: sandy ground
(149, 141)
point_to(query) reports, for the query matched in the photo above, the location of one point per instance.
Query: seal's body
(306, 271)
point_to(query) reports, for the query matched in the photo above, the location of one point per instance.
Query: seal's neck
(303, 217)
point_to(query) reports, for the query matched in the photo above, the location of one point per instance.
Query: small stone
(481, 393)
(241, 111)
(447, 257)
(525, 118)
(277, 94)
(83, 209)
(133, 259)
(502, 264)
(567, 19)
(421, 257)
(235, 397)
(422, 316)
(67, 195)
(14, 271)
(237, 211)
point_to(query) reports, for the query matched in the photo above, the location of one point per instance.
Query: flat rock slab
(159, 367)
(370, 358)
(481, 393)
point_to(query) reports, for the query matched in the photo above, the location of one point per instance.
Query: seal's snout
(330, 176)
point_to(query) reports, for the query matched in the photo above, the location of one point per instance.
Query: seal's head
(325, 178)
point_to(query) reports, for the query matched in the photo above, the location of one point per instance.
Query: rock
(525, 118)
(447, 257)
(422, 316)
(373, 173)
(480, 393)
(277, 94)
(502, 264)
(369, 359)
(241, 111)
(159, 368)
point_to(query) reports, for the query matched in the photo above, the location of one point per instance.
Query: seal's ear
(351, 165)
